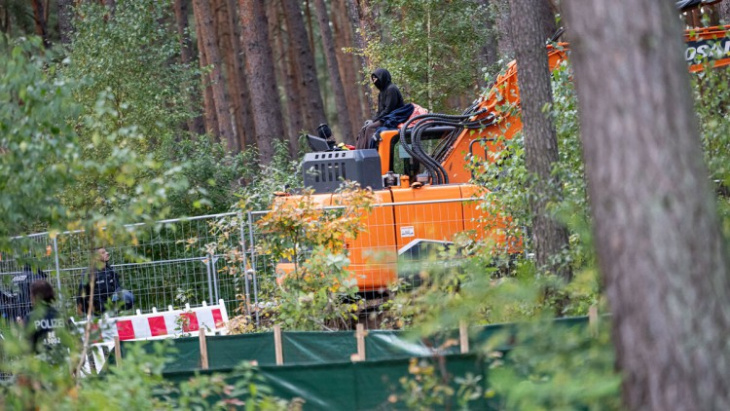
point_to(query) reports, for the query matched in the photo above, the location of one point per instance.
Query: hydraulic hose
(415, 149)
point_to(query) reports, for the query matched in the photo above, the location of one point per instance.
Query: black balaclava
(382, 78)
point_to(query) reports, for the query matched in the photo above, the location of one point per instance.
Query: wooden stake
(117, 351)
(593, 320)
(360, 335)
(464, 337)
(203, 350)
(277, 345)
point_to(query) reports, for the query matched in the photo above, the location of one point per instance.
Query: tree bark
(657, 233)
(489, 53)
(505, 45)
(248, 137)
(328, 43)
(222, 106)
(210, 119)
(546, 15)
(361, 45)
(261, 79)
(304, 60)
(549, 237)
(348, 67)
(295, 123)
(39, 17)
(226, 43)
(195, 124)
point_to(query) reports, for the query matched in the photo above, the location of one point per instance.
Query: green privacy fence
(341, 386)
(317, 366)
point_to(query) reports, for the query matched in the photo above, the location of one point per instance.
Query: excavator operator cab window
(402, 163)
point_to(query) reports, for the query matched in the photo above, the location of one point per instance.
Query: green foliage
(37, 145)
(430, 387)
(135, 384)
(317, 291)
(555, 366)
(712, 103)
(131, 54)
(429, 47)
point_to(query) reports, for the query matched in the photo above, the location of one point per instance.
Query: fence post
(593, 320)
(247, 287)
(360, 335)
(206, 261)
(253, 266)
(464, 337)
(277, 345)
(117, 351)
(214, 274)
(58, 269)
(203, 349)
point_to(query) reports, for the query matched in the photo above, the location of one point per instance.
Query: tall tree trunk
(276, 38)
(348, 67)
(328, 43)
(39, 17)
(310, 31)
(489, 53)
(546, 15)
(248, 138)
(550, 238)
(360, 43)
(226, 42)
(211, 121)
(295, 125)
(222, 106)
(661, 252)
(304, 60)
(505, 44)
(261, 80)
(195, 124)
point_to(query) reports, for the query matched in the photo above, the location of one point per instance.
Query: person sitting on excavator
(390, 100)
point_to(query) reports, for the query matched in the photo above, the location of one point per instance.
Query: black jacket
(43, 323)
(106, 283)
(390, 97)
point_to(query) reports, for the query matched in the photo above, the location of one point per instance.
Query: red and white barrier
(211, 319)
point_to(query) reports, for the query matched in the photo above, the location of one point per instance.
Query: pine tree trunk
(196, 124)
(304, 60)
(549, 237)
(248, 137)
(211, 122)
(505, 44)
(226, 42)
(222, 106)
(657, 233)
(39, 17)
(358, 28)
(546, 16)
(261, 79)
(328, 43)
(489, 53)
(289, 107)
(348, 67)
(295, 123)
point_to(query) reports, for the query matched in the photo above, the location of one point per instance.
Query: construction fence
(187, 260)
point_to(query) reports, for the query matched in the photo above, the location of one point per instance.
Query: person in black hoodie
(389, 100)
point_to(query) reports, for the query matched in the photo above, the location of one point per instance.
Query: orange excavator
(420, 174)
